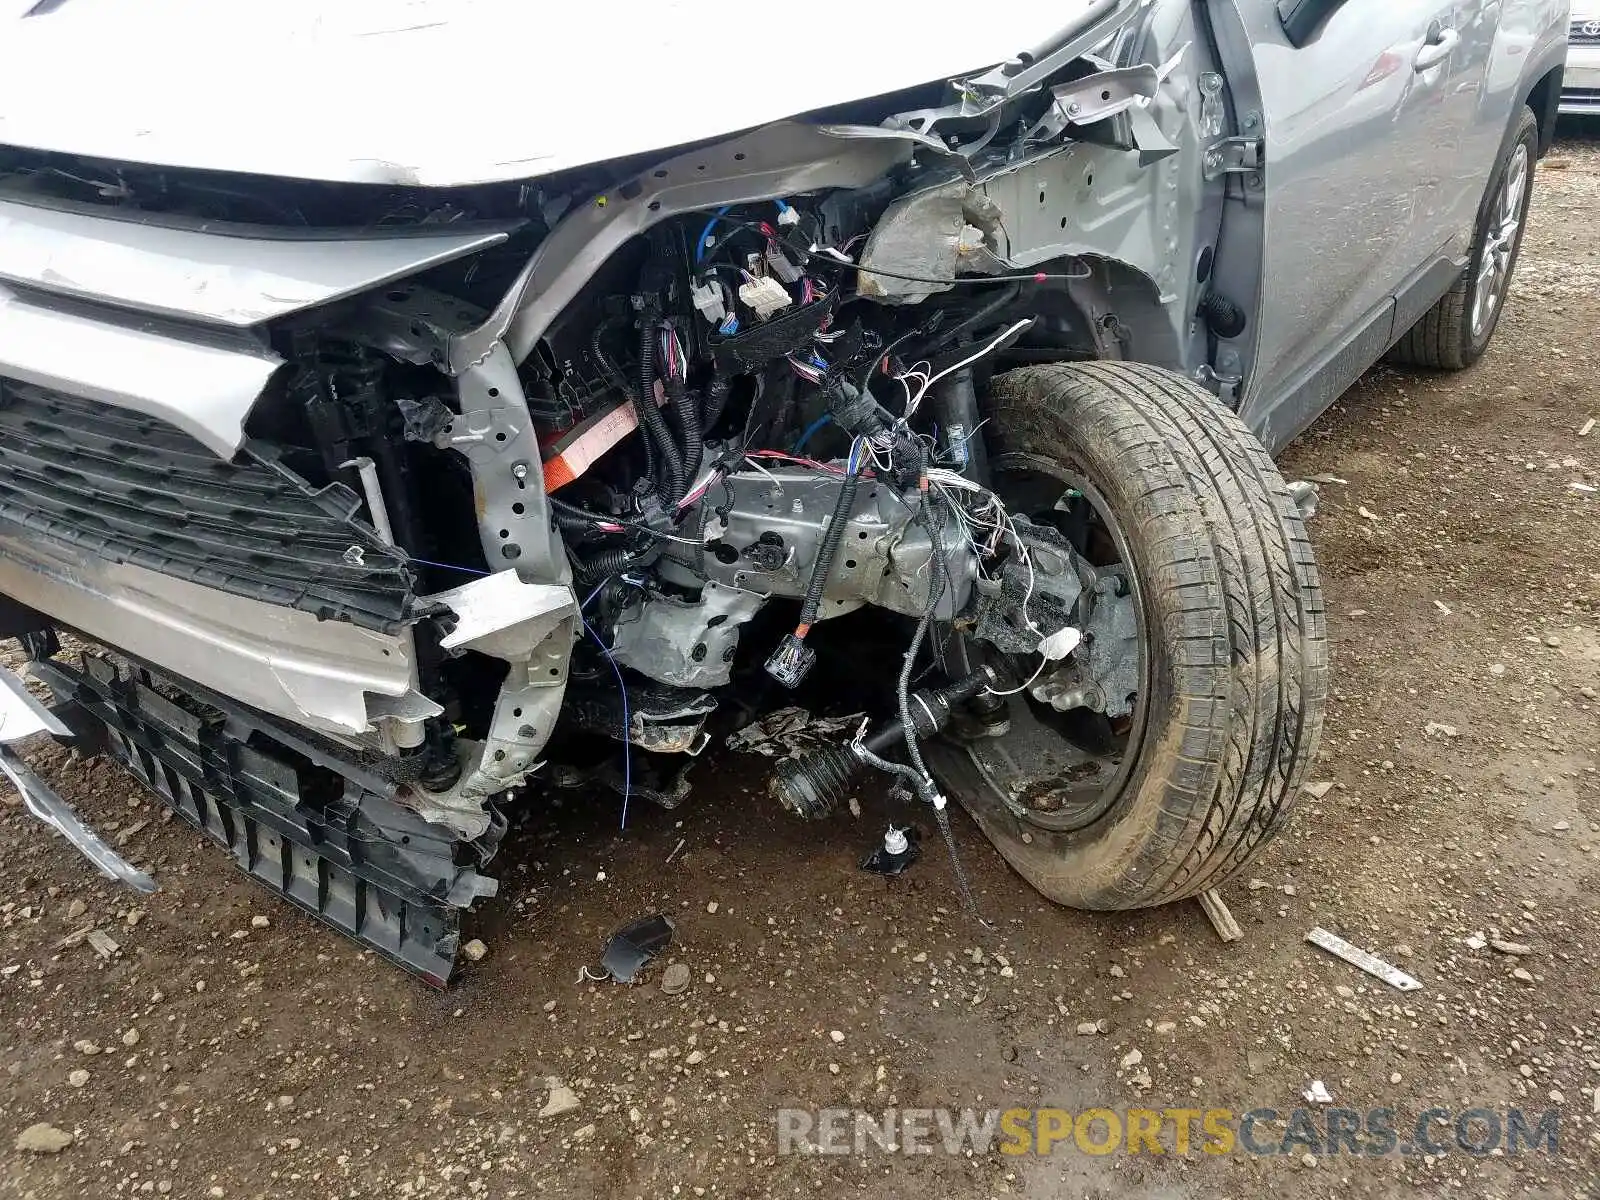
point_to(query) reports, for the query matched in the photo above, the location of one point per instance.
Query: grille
(132, 489)
(1584, 33)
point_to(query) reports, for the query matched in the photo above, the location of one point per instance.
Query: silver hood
(454, 92)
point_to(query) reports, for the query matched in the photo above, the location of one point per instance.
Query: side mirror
(1302, 18)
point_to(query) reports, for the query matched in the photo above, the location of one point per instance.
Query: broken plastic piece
(1318, 1093)
(635, 944)
(898, 850)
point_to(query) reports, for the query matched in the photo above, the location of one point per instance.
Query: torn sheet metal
(21, 714)
(791, 731)
(41, 800)
(1367, 961)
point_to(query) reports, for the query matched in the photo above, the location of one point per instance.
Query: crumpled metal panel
(221, 274)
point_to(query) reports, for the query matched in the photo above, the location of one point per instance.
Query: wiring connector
(778, 262)
(791, 661)
(707, 298)
(764, 296)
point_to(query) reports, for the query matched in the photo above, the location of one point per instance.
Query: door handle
(1435, 50)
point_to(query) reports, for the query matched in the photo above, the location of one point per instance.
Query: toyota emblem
(1591, 29)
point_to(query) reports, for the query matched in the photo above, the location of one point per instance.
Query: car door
(1350, 120)
(1462, 115)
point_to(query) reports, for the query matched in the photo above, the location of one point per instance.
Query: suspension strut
(814, 784)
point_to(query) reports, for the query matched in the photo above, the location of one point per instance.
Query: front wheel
(1162, 775)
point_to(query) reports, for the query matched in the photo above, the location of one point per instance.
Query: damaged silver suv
(515, 403)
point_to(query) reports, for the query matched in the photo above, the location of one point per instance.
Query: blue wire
(811, 429)
(428, 562)
(627, 719)
(700, 245)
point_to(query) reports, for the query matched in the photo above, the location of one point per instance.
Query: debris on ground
(1364, 959)
(675, 979)
(561, 1099)
(895, 853)
(635, 944)
(43, 1138)
(1220, 916)
(1318, 1093)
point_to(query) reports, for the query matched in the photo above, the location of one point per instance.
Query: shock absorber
(814, 784)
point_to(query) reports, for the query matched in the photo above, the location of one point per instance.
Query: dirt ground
(243, 1050)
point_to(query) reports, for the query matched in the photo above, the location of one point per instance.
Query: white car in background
(1580, 85)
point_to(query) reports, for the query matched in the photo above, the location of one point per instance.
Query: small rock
(76, 909)
(675, 979)
(1476, 941)
(1009, 1054)
(1551, 640)
(43, 1138)
(1556, 1097)
(711, 906)
(1319, 789)
(476, 950)
(1562, 826)
(85, 1046)
(1394, 1077)
(1132, 1059)
(77, 1078)
(1344, 991)
(836, 1034)
(1497, 669)
(1308, 1161)
(1515, 949)
(130, 1037)
(1117, 972)
(562, 1099)
(1403, 951)
(1086, 1028)
(285, 1101)
(694, 1058)
(1166, 1026)
(583, 1133)
(1318, 1093)
(1440, 728)
(1521, 976)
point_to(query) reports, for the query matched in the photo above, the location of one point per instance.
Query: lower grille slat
(311, 831)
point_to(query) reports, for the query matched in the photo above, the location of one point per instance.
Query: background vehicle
(1580, 85)
(404, 466)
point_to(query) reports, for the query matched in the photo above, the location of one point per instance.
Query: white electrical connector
(788, 215)
(1060, 643)
(780, 265)
(708, 303)
(764, 296)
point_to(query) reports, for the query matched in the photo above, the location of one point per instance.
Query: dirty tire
(1234, 630)
(1443, 339)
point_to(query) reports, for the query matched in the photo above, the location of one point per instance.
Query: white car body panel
(455, 92)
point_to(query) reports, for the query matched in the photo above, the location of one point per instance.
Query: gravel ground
(233, 1047)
